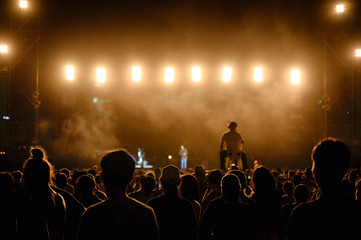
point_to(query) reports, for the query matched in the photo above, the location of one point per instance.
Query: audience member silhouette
(145, 193)
(348, 183)
(301, 195)
(74, 210)
(226, 217)
(18, 179)
(60, 180)
(175, 215)
(119, 216)
(85, 190)
(288, 197)
(214, 188)
(7, 228)
(38, 209)
(308, 180)
(268, 204)
(189, 190)
(333, 215)
(200, 174)
(244, 187)
(69, 188)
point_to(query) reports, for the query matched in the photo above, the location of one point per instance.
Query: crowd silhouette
(118, 201)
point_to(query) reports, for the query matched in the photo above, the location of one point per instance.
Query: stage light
(340, 8)
(4, 48)
(169, 75)
(227, 74)
(101, 75)
(295, 76)
(358, 52)
(136, 73)
(196, 74)
(258, 74)
(23, 4)
(70, 73)
(170, 157)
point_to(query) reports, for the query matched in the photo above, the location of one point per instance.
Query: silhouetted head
(170, 176)
(263, 179)
(118, 168)
(214, 177)
(241, 176)
(148, 183)
(199, 171)
(37, 153)
(331, 159)
(230, 187)
(85, 184)
(37, 170)
(301, 193)
(189, 187)
(60, 180)
(232, 125)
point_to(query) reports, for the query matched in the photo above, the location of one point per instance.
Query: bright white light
(340, 8)
(258, 74)
(295, 76)
(170, 157)
(101, 75)
(169, 75)
(196, 74)
(358, 52)
(4, 49)
(23, 4)
(227, 74)
(70, 73)
(136, 73)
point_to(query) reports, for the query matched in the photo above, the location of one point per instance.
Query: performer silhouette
(231, 149)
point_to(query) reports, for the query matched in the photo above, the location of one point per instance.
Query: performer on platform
(231, 149)
(184, 156)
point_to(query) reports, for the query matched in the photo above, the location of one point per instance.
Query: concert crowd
(118, 201)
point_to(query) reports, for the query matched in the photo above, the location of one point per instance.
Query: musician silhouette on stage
(231, 149)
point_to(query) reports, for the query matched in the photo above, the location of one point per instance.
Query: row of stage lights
(169, 74)
(340, 7)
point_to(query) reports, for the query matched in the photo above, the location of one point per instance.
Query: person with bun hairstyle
(39, 212)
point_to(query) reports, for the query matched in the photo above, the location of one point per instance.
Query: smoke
(85, 134)
(160, 118)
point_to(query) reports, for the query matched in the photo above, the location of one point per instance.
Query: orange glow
(4, 49)
(70, 73)
(358, 52)
(23, 4)
(340, 8)
(196, 74)
(169, 75)
(258, 74)
(227, 74)
(295, 76)
(101, 75)
(136, 73)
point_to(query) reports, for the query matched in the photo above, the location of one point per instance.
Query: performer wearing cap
(231, 149)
